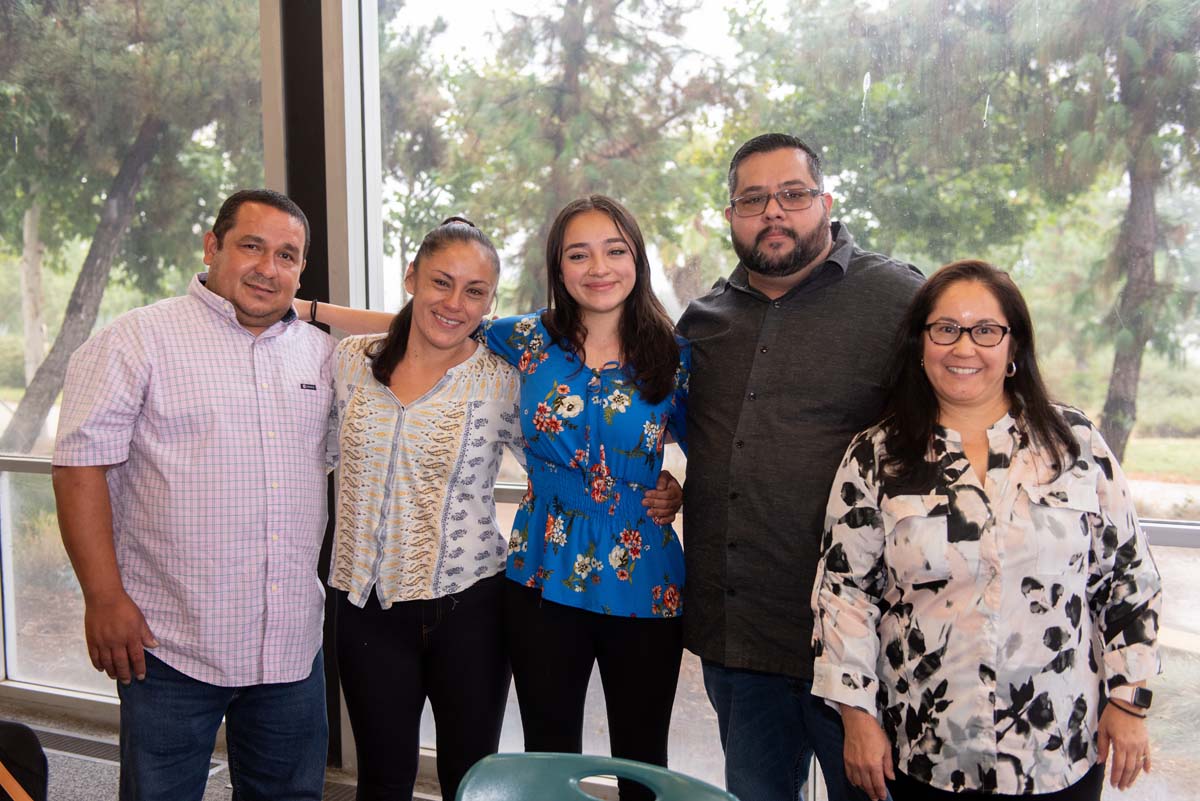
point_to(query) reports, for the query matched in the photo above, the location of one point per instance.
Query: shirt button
(274, 588)
(274, 538)
(763, 349)
(777, 304)
(274, 485)
(733, 496)
(739, 443)
(753, 396)
(264, 385)
(270, 435)
(731, 592)
(733, 547)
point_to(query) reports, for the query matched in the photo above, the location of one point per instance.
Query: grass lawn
(1176, 460)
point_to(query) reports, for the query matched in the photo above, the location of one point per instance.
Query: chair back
(23, 769)
(556, 777)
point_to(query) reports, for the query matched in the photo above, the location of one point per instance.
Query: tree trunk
(558, 187)
(31, 290)
(1134, 313)
(84, 305)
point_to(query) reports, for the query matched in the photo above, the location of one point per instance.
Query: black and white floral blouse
(979, 621)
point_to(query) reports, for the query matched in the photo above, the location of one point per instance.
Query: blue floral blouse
(593, 446)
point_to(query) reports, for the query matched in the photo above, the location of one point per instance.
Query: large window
(120, 124)
(1050, 138)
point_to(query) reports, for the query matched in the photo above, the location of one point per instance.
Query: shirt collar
(839, 257)
(1006, 428)
(225, 310)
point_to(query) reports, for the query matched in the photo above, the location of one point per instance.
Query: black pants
(553, 648)
(449, 650)
(1088, 788)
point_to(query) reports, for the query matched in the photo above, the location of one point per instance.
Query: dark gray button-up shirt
(778, 389)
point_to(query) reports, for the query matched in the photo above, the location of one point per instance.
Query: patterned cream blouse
(979, 621)
(415, 514)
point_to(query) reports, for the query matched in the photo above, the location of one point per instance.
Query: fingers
(1127, 765)
(120, 665)
(868, 779)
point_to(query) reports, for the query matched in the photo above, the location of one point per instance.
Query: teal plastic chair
(556, 777)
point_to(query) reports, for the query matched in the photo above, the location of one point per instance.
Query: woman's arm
(1125, 599)
(849, 584)
(343, 318)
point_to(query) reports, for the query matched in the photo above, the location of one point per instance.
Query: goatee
(804, 250)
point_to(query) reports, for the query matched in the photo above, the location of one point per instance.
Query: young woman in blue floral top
(593, 577)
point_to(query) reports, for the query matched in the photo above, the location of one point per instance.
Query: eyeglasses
(788, 199)
(985, 335)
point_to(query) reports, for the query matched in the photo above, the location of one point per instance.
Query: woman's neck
(420, 355)
(972, 421)
(602, 343)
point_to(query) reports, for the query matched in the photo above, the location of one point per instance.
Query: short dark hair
(647, 334)
(911, 410)
(769, 143)
(227, 216)
(385, 354)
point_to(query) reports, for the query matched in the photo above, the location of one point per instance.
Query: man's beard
(803, 251)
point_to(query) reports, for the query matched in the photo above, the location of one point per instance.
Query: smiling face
(598, 267)
(452, 289)
(779, 242)
(967, 377)
(257, 264)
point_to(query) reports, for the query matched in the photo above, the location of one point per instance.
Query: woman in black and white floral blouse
(984, 581)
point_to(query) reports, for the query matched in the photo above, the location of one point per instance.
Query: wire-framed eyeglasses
(755, 203)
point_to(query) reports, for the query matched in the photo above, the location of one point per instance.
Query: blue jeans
(771, 725)
(277, 736)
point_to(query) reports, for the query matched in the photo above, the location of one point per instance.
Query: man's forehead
(258, 218)
(775, 167)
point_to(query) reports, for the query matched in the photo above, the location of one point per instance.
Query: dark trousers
(449, 650)
(553, 648)
(905, 788)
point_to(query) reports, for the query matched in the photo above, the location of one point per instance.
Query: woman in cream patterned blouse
(986, 602)
(424, 415)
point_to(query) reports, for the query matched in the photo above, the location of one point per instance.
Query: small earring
(1012, 369)
(922, 362)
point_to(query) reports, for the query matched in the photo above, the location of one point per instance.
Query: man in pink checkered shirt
(190, 473)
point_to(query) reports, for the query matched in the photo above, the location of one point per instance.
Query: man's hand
(867, 753)
(664, 500)
(116, 634)
(1126, 735)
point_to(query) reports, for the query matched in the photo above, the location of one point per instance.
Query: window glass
(43, 605)
(121, 124)
(1046, 138)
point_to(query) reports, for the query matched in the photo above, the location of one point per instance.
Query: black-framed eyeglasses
(755, 203)
(985, 335)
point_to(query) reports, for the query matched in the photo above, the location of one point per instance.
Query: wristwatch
(1138, 697)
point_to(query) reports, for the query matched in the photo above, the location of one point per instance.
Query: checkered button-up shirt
(219, 445)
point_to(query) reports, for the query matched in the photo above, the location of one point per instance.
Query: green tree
(136, 113)
(593, 96)
(1124, 79)
(951, 128)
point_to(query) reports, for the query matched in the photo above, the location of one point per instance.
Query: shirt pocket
(311, 405)
(915, 545)
(1058, 515)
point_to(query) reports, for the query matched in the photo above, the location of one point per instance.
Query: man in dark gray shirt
(788, 360)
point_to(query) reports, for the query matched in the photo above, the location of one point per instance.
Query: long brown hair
(648, 343)
(386, 353)
(911, 409)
